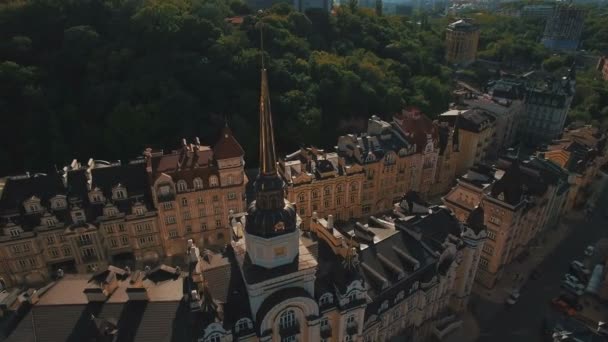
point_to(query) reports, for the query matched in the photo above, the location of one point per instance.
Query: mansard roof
(103, 177)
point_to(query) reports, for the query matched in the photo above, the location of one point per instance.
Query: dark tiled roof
(227, 146)
(17, 190)
(475, 221)
(474, 120)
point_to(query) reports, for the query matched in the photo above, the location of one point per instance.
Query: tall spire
(268, 159)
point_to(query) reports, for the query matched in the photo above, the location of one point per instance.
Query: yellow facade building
(461, 40)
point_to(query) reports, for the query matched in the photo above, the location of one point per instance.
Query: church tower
(278, 269)
(271, 233)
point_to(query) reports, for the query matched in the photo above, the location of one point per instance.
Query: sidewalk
(468, 332)
(517, 273)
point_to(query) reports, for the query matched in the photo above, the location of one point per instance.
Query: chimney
(330, 222)
(101, 289)
(136, 290)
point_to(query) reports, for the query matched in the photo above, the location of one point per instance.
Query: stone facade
(195, 189)
(390, 163)
(322, 182)
(519, 201)
(461, 39)
(476, 130)
(77, 219)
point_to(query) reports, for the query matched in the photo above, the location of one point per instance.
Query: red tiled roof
(227, 146)
(417, 126)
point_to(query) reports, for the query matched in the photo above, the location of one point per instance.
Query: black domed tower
(271, 233)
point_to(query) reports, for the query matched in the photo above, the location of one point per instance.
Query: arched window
(198, 183)
(339, 188)
(243, 324)
(315, 194)
(353, 186)
(214, 338)
(287, 319)
(213, 181)
(182, 186)
(301, 197)
(327, 191)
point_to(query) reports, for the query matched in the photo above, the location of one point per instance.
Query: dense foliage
(105, 78)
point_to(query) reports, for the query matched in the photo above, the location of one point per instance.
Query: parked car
(562, 306)
(571, 278)
(572, 289)
(573, 284)
(589, 251)
(571, 300)
(579, 266)
(513, 297)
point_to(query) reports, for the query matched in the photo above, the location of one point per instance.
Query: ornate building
(322, 182)
(476, 129)
(195, 189)
(519, 201)
(437, 143)
(77, 219)
(390, 162)
(406, 273)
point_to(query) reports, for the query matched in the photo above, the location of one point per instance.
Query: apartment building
(195, 189)
(76, 220)
(518, 199)
(323, 183)
(476, 131)
(390, 163)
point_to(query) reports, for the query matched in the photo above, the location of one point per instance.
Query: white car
(513, 297)
(571, 278)
(574, 288)
(589, 251)
(579, 266)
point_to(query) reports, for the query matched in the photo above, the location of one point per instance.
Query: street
(523, 321)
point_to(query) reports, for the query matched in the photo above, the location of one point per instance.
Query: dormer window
(14, 232)
(140, 210)
(339, 188)
(78, 216)
(58, 203)
(32, 206)
(119, 193)
(110, 210)
(95, 196)
(198, 183)
(243, 324)
(326, 298)
(182, 186)
(51, 222)
(213, 181)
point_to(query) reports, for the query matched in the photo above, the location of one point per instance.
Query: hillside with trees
(105, 78)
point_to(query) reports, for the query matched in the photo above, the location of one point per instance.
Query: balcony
(291, 330)
(84, 242)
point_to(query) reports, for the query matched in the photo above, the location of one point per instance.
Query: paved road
(523, 321)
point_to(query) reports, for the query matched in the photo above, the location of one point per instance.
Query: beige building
(195, 189)
(461, 39)
(76, 220)
(390, 162)
(582, 152)
(519, 201)
(476, 131)
(321, 182)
